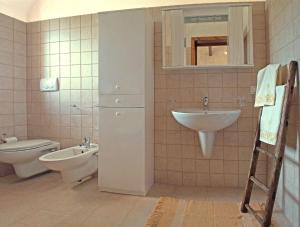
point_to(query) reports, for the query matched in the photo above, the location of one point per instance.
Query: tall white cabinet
(126, 84)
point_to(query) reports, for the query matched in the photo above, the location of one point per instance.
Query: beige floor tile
(111, 211)
(139, 214)
(42, 218)
(158, 190)
(20, 224)
(193, 193)
(46, 201)
(12, 209)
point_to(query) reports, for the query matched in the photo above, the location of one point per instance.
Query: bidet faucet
(86, 142)
(205, 103)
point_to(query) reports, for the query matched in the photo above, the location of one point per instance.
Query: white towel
(266, 83)
(270, 118)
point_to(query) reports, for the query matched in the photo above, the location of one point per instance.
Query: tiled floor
(45, 201)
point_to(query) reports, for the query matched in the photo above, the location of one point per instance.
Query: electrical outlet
(253, 90)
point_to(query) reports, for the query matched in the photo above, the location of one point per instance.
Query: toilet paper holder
(3, 137)
(6, 139)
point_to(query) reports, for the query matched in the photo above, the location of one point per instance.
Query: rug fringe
(164, 214)
(157, 213)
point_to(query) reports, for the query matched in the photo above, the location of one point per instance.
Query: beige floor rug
(172, 212)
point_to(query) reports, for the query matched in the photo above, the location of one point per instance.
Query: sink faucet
(86, 142)
(205, 102)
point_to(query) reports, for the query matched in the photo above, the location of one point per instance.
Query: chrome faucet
(205, 103)
(86, 142)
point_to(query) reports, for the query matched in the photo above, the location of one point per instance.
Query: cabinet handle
(117, 87)
(117, 100)
(117, 114)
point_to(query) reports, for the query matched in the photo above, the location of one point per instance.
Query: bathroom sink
(206, 123)
(205, 120)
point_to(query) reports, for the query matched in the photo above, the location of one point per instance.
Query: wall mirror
(207, 36)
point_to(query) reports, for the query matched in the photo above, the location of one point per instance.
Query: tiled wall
(66, 48)
(283, 25)
(178, 158)
(12, 81)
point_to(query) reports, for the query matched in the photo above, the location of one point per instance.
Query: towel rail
(265, 218)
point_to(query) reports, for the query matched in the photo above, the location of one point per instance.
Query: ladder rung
(259, 184)
(271, 155)
(254, 213)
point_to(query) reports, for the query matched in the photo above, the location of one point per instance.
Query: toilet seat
(24, 145)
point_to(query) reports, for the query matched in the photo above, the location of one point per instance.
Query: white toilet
(23, 155)
(75, 163)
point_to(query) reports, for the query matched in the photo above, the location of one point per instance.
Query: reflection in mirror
(207, 36)
(206, 40)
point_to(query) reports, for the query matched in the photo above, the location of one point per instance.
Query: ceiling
(16, 8)
(34, 10)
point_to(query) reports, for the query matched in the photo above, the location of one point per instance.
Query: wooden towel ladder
(265, 218)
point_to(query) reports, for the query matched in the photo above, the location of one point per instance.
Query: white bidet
(74, 163)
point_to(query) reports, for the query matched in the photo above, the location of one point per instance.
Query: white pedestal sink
(206, 123)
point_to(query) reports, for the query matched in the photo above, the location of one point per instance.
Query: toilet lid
(24, 145)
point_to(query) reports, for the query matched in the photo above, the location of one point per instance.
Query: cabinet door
(122, 150)
(128, 101)
(122, 52)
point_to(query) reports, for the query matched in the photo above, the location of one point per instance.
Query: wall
(66, 48)
(283, 22)
(12, 80)
(178, 159)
